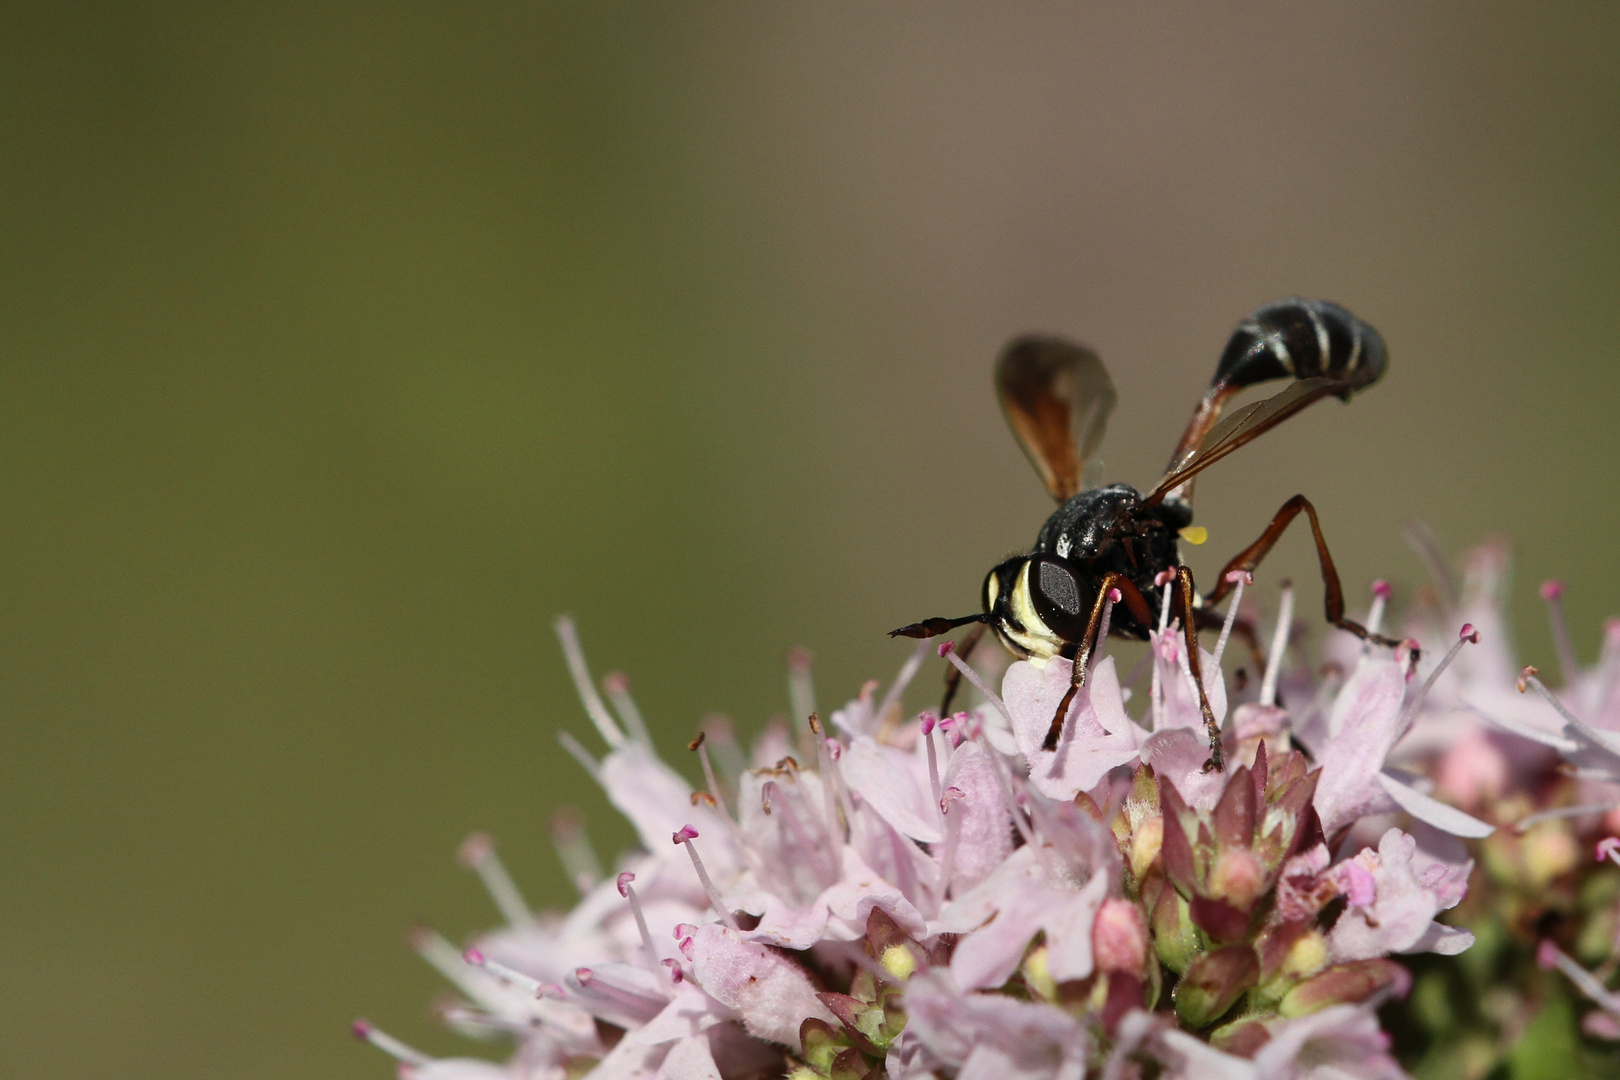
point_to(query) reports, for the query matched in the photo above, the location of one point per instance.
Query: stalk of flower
(943, 896)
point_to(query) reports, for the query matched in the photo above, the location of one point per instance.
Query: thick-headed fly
(1115, 541)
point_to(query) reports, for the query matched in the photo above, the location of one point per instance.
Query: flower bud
(1345, 984)
(898, 961)
(1237, 877)
(820, 1045)
(1306, 956)
(1174, 938)
(1145, 845)
(1037, 973)
(1214, 982)
(1119, 938)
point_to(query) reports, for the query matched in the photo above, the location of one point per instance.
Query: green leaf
(1550, 1048)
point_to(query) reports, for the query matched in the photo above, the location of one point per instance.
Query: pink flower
(865, 898)
(1098, 738)
(1369, 716)
(1393, 902)
(990, 1035)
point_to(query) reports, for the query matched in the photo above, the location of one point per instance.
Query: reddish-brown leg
(1189, 623)
(1082, 657)
(1333, 592)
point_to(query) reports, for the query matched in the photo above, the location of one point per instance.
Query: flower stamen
(828, 770)
(1279, 643)
(1550, 956)
(1156, 689)
(1375, 615)
(1553, 593)
(578, 752)
(478, 854)
(526, 983)
(685, 836)
(575, 656)
(953, 828)
(697, 744)
(772, 799)
(927, 724)
(1466, 636)
(1114, 597)
(616, 685)
(948, 651)
(1529, 821)
(466, 1017)
(611, 983)
(641, 920)
(908, 671)
(404, 1053)
(1604, 739)
(1240, 579)
(1163, 579)
(574, 849)
(801, 690)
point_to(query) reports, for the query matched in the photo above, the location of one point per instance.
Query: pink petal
(772, 994)
(892, 784)
(983, 827)
(690, 1059)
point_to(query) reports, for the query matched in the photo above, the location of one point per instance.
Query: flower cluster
(937, 897)
(1541, 766)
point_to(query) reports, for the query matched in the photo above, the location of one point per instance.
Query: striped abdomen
(1301, 339)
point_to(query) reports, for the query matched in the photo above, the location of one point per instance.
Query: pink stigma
(1552, 590)
(1235, 576)
(928, 722)
(1547, 955)
(1381, 589)
(624, 883)
(1164, 577)
(473, 957)
(1468, 634)
(1608, 847)
(361, 1029)
(686, 833)
(475, 849)
(947, 648)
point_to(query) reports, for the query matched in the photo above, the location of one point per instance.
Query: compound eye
(1056, 591)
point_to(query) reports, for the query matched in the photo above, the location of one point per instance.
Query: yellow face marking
(992, 589)
(1194, 534)
(1036, 639)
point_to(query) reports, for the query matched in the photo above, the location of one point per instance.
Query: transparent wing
(1244, 426)
(1057, 396)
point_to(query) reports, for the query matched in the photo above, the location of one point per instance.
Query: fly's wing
(1244, 426)
(1057, 396)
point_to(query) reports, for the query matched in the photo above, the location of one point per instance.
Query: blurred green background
(342, 347)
